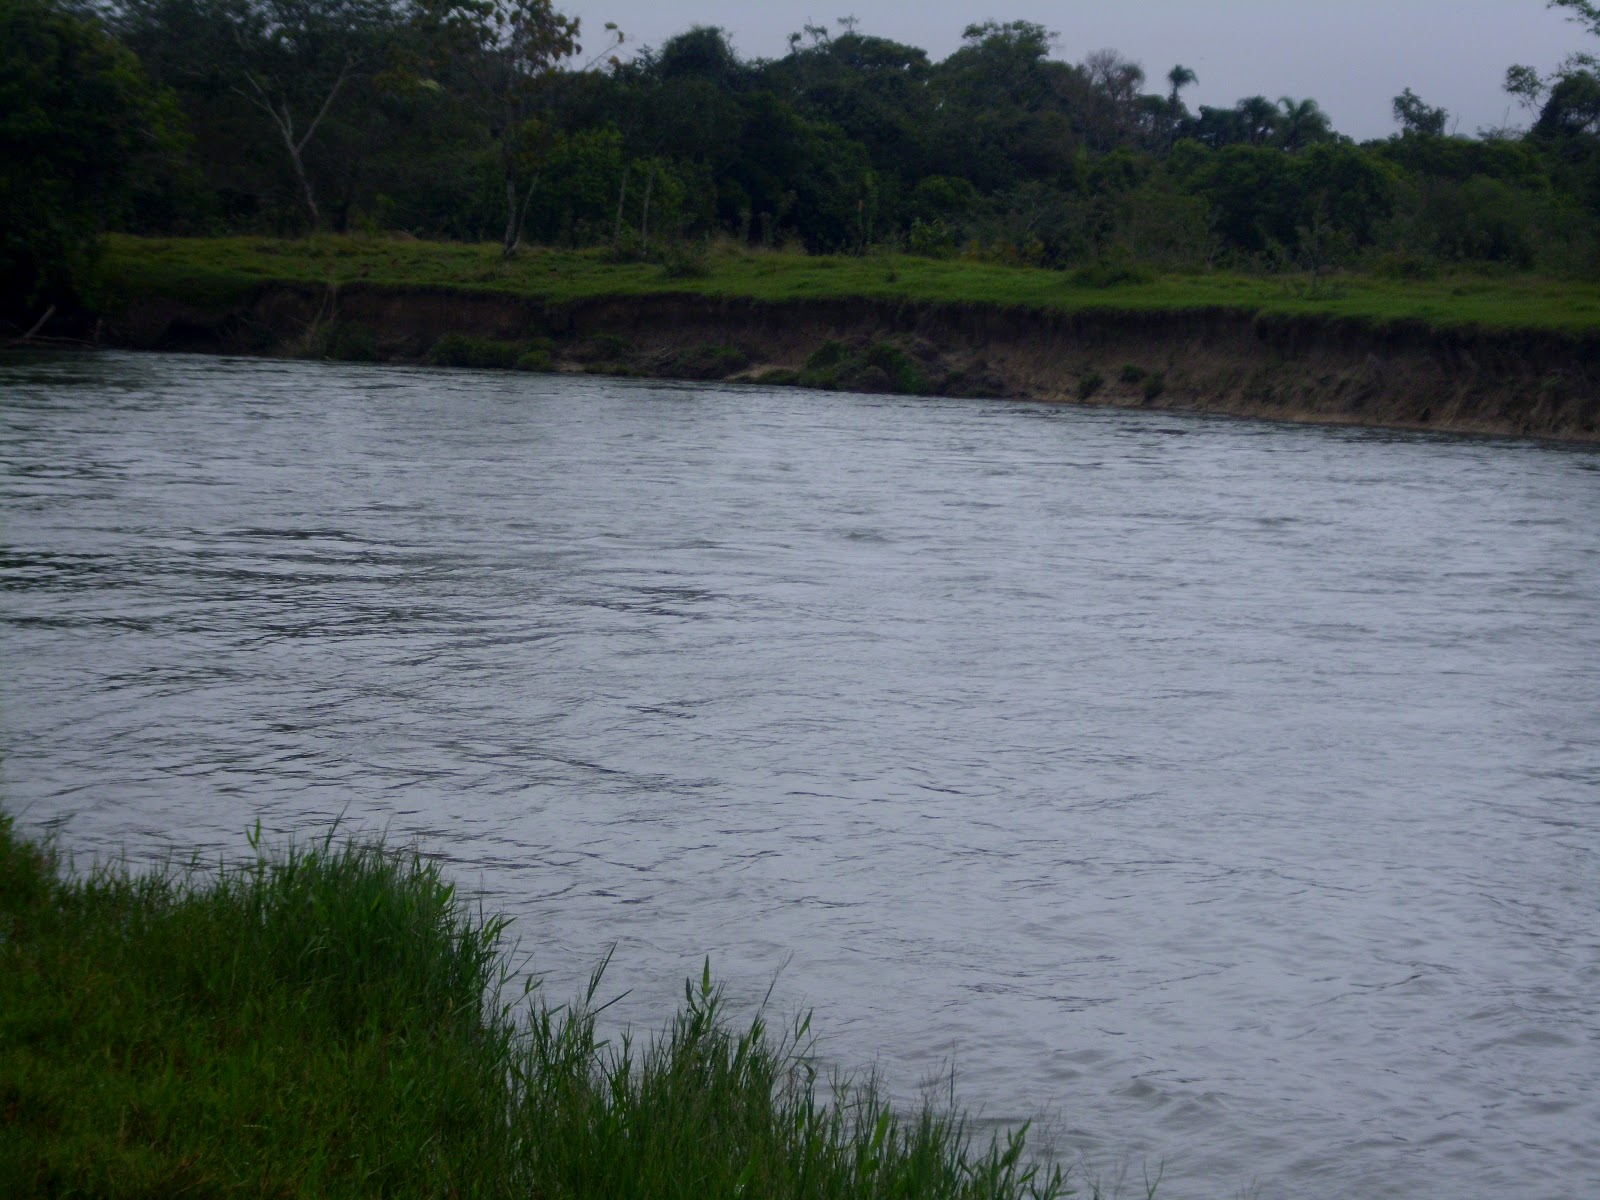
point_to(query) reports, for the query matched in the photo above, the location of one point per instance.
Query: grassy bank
(330, 1021)
(220, 271)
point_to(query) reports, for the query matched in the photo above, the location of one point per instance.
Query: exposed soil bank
(1319, 369)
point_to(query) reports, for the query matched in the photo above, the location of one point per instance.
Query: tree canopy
(78, 115)
(483, 119)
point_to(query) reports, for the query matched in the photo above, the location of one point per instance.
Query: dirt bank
(1320, 369)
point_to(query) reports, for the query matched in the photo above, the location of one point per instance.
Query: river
(1223, 796)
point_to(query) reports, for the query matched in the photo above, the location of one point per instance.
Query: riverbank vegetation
(334, 1020)
(216, 273)
(1013, 169)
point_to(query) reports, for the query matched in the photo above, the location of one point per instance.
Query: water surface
(1223, 793)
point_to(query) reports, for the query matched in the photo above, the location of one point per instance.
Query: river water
(1224, 796)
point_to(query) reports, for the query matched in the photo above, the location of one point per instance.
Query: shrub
(352, 343)
(903, 374)
(879, 367)
(1089, 383)
(686, 260)
(464, 350)
(706, 362)
(604, 347)
(1109, 273)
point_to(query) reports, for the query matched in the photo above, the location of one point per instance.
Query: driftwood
(39, 324)
(35, 340)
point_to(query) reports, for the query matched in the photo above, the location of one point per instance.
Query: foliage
(1415, 117)
(78, 115)
(863, 366)
(465, 350)
(503, 53)
(465, 119)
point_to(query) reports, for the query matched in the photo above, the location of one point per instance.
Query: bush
(1089, 383)
(706, 362)
(878, 367)
(686, 260)
(610, 348)
(1110, 273)
(352, 343)
(904, 375)
(464, 350)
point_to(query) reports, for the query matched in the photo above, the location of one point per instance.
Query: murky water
(1225, 794)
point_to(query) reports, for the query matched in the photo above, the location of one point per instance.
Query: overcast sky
(1353, 56)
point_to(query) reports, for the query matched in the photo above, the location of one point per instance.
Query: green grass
(218, 271)
(333, 1021)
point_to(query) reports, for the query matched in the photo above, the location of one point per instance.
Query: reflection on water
(1224, 793)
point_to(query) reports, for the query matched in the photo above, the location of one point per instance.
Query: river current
(1222, 796)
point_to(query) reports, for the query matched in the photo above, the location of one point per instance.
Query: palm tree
(1259, 118)
(1303, 122)
(1179, 77)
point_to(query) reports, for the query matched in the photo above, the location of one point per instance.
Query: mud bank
(1316, 369)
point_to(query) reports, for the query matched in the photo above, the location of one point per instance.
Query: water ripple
(1222, 793)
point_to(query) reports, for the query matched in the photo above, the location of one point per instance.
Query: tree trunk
(298, 162)
(622, 197)
(510, 246)
(283, 117)
(644, 224)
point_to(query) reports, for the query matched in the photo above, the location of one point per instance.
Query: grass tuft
(331, 1021)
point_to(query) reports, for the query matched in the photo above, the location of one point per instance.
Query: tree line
(494, 119)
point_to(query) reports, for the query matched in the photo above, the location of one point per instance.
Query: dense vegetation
(474, 120)
(330, 1022)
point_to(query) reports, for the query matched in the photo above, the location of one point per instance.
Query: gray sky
(1353, 56)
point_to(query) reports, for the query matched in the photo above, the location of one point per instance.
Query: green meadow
(213, 272)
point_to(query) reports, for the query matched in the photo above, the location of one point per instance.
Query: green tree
(1417, 118)
(1303, 123)
(1586, 14)
(504, 54)
(1573, 108)
(77, 112)
(297, 67)
(1179, 77)
(1259, 120)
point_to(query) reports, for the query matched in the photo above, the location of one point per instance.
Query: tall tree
(504, 54)
(1258, 119)
(294, 63)
(1303, 122)
(1179, 77)
(1587, 14)
(76, 113)
(1415, 117)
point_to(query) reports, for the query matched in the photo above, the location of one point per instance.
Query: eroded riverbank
(1323, 369)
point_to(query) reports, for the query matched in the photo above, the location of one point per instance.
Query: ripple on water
(1219, 793)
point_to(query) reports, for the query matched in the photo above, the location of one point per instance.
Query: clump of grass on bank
(465, 350)
(329, 1021)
